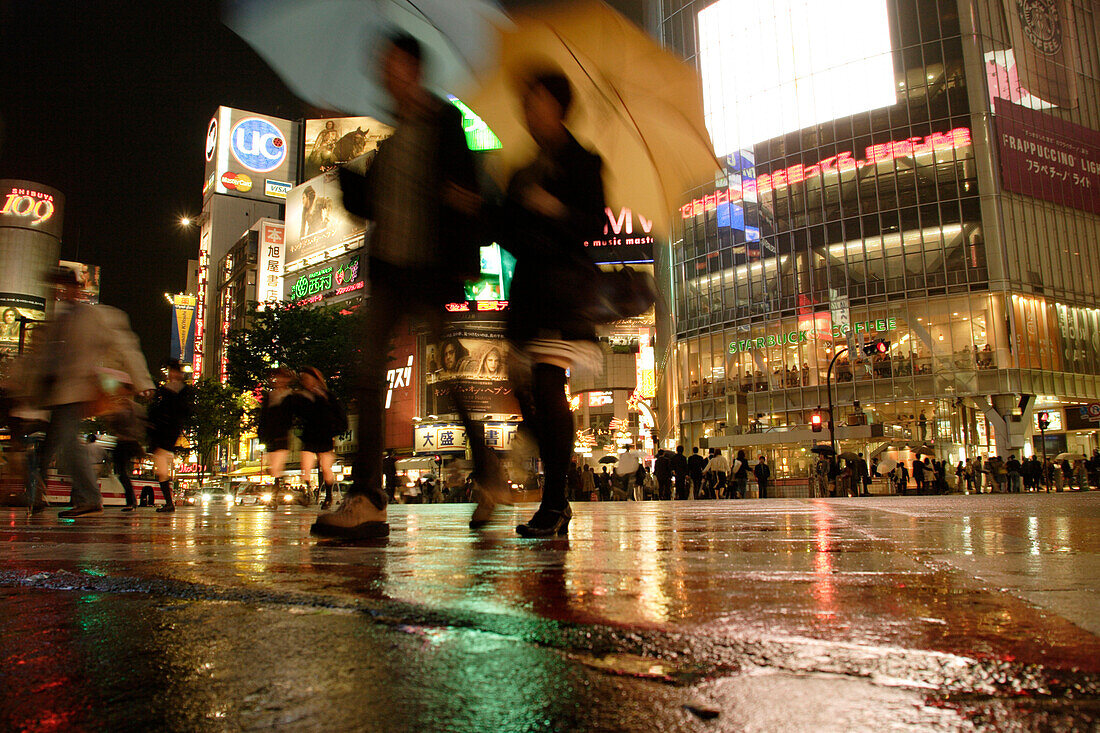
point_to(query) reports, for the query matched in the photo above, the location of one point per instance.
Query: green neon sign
(479, 137)
(800, 337)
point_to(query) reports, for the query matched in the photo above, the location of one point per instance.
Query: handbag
(622, 293)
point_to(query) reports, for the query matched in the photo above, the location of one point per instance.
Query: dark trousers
(762, 489)
(546, 410)
(122, 458)
(664, 487)
(397, 292)
(681, 486)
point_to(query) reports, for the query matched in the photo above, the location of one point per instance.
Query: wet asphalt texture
(885, 614)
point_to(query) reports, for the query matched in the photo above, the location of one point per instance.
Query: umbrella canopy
(609, 459)
(1069, 457)
(848, 455)
(925, 451)
(326, 50)
(824, 450)
(886, 465)
(637, 105)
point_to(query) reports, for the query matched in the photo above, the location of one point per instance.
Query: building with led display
(926, 174)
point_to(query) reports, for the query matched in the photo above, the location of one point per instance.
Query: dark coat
(321, 417)
(762, 472)
(460, 236)
(276, 420)
(171, 411)
(555, 279)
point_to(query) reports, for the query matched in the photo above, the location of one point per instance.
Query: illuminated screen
(497, 267)
(773, 67)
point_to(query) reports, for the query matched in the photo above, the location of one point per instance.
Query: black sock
(166, 491)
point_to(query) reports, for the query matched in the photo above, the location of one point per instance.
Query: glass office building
(924, 173)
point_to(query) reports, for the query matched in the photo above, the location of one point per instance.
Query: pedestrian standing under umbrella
(169, 414)
(322, 418)
(553, 205)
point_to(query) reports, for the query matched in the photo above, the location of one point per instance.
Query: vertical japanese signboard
(269, 263)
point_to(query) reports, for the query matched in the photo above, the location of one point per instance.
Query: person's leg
(308, 461)
(554, 431)
(121, 460)
(162, 464)
(73, 457)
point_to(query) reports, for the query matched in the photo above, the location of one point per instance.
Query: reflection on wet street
(890, 613)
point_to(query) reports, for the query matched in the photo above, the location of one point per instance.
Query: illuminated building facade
(923, 173)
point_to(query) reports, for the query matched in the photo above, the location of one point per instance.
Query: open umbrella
(823, 450)
(924, 450)
(1069, 457)
(848, 456)
(609, 459)
(886, 465)
(325, 49)
(637, 105)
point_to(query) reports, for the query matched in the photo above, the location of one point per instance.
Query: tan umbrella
(1069, 457)
(637, 105)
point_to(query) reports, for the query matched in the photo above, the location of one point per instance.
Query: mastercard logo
(236, 181)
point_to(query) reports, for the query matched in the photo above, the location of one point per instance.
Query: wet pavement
(922, 613)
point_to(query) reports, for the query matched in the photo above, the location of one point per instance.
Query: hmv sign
(254, 148)
(627, 237)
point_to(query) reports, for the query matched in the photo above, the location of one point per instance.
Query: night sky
(108, 101)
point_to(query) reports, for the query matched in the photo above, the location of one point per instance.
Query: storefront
(905, 219)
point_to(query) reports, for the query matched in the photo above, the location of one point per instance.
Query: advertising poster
(1048, 158)
(338, 140)
(30, 205)
(88, 277)
(250, 155)
(10, 316)
(269, 263)
(316, 219)
(1045, 48)
(1079, 332)
(471, 361)
(183, 328)
(1034, 331)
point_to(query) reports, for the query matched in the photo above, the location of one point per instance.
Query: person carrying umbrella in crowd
(173, 404)
(552, 206)
(421, 193)
(66, 381)
(322, 418)
(278, 408)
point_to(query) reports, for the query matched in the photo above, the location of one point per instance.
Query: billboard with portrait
(88, 277)
(316, 220)
(471, 361)
(250, 155)
(11, 314)
(335, 141)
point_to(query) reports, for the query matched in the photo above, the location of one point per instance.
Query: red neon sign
(875, 154)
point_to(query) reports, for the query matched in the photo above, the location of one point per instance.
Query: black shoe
(39, 507)
(80, 511)
(166, 508)
(326, 505)
(129, 507)
(547, 523)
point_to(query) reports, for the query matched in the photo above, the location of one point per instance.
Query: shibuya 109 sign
(30, 205)
(841, 331)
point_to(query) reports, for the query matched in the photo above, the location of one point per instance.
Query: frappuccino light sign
(800, 337)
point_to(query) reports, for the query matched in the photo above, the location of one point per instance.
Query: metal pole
(829, 390)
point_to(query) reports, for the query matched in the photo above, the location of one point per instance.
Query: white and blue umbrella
(327, 50)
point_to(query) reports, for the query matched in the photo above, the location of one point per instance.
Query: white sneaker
(356, 518)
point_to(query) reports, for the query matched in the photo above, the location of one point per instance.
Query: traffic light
(815, 421)
(1044, 420)
(880, 346)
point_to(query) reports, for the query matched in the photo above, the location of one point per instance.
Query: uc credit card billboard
(250, 155)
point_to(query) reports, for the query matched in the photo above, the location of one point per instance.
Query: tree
(220, 414)
(292, 335)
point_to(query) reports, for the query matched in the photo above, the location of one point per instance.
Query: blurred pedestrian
(322, 418)
(740, 472)
(696, 464)
(77, 343)
(552, 206)
(680, 470)
(718, 469)
(173, 405)
(278, 408)
(127, 425)
(588, 483)
(626, 469)
(421, 194)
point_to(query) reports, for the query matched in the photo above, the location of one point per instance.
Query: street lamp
(879, 346)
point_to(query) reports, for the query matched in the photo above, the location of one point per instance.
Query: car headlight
(265, 497)
(229, 500)
(206, 498)
(288, 497)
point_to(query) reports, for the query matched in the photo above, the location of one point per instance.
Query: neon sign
(257, 144)
(800, 337)
(619, 230)
(25, 202)
(781, 179)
